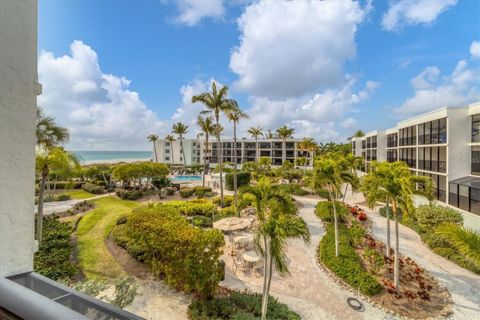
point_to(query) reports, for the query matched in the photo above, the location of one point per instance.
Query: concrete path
(307, 290)
(61, 206)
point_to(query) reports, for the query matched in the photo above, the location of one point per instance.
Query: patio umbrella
(231, 224)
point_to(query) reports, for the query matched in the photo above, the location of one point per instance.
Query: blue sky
(114, 71)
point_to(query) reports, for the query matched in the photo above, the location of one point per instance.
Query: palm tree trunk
(219, 161)
(183, 152)
(155, 151)
(41, 196)
(235, 165)
(265, 278)
(345, 193)
(335, 221)
(173, 154)
(267, 291)
(396, 270)
(284, 151)
(388, 227)
(257, 154)
(204, 163)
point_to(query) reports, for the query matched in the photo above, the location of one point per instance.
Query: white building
(173, 153)
(443, 144)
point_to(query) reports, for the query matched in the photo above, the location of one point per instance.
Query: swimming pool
(186, 178)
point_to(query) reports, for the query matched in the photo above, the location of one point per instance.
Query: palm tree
(49, 136)
(284, 133)
(400, 185)
(276, 223)
(216, 103)
(153, 138)
(256, 132)
(170, 139)
(465, 241)
(359, 133)
(331, 171)
(207, 127)
(235, 116)
(269, 134)
(309, 145)
(181, 130)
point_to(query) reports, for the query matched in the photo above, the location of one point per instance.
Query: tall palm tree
(49, 136)
(400, 185)
(170, 139)
(359, 133)
(331, 171)
(181, 130)
(309, 145)
(276, 223)
(465, 241)
(256, 132)
(153, 138)
(269, 134)
(235, 116)
(217, 103)
(284, 133)
(207, 127)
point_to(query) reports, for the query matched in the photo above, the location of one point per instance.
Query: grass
(78, 194)
(94, 258)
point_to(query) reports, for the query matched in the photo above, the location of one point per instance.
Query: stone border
(447, 311)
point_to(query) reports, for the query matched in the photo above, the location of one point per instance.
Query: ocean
(112, 156)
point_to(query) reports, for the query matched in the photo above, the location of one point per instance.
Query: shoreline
(115, 161)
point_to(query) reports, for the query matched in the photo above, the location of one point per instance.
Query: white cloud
(291, 48)
(349, 123)
(191, 12)
(475, 49)
(432, 91)
(98, 109)
(413, 12)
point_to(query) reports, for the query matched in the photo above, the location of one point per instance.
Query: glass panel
(434, 151)
(453, 199)
(475, 201)
(442, 131)
(463, 201)
(442, 159)
(476, 160)
(442, 188)
(434, 137)
(476, 128)
(428, 128)
(421, 158)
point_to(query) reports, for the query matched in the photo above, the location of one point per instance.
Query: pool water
(186, 178)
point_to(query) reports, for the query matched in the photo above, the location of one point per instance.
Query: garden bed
(363, 267)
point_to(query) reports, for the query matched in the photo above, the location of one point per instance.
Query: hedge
(430, 217)
(292, 189)
(202, 191)
(170, 191)
(129, 194)
(186, 192)
(239, 306)
(227, 200)
(93, 188)
(63, 197)
(347, 265)
(324, 210)
(192, 208)
(65, 185)
(186, 256)
(53, 257)
(243, 179)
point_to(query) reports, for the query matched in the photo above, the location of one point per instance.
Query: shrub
(92, 188)
(64, 185)
(201, 191)
(324, 194)
(225, 213)
(202, 221)
(292, 189)
(356, 233)
(170, 191)
(187, 256)
(186, 192)
(429, 217)
(129, 194)
(100, 183)
(347, 265)
(63, 197)
(239, 306)
(227, 200)
(243, 179)
(193, 208)
(324, 211)
(53, 257)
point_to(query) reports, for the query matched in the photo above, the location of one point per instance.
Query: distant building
(443, 144)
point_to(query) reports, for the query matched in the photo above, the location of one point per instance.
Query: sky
(115, 71)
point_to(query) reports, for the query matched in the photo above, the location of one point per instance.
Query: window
(433, 132)
(167, 150)
(408, 136)
(392, 155)
(476, 128)
(463, 202)
(475, 161)
(167, 144)
(453, 196)
(392, 140)
(167, 158)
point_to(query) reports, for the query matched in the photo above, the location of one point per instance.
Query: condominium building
(443, 144)
(246, 151)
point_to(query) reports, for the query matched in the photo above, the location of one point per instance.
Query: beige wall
(18, 91)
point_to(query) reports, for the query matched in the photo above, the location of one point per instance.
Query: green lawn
(78, 194)
(94, 257)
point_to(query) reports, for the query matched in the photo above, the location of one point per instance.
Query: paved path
(61, 206)
(308, 290)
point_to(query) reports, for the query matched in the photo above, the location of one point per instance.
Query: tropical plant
(235, 116)
(181, 130)
(464, 240)
(216, 103)
(284, 133)
(331, 172)
(359, 133)
(269, 134)
(170, 139)
(309, 145)
(153, 138)
(256, 132)
(277, 222)
(207, 127)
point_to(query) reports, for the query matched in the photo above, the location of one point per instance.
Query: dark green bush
(347, 265)
(239, 306)
(129, 194)
(202, 221)
(201, 191)
(243, 179)
(170, 191)
(324, 210)
(429, 217)
(92, 188)
(193, 208)
(227, 200)
(225, 213)
(292, 189)
(53, 257)
(63, 197)
(64, 185)
(186, 192)
(100, 183)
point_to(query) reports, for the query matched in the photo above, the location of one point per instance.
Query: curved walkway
(61, 206)
(308, 290)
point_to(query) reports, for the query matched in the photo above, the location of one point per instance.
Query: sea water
(114, 156)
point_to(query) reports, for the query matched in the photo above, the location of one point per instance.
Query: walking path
(61, 206)
(307, 290)
(463, 285)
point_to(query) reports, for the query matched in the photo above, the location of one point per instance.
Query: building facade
(443, 144)
(195, 151)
